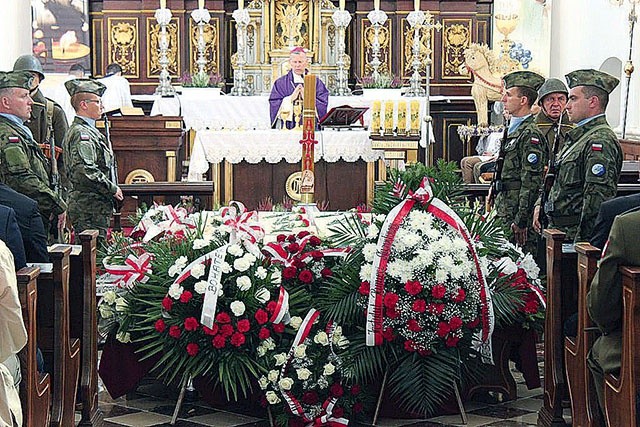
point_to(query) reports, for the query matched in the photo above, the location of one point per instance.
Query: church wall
(15, 21)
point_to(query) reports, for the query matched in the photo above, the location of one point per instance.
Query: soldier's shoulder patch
(596, 147)
(535, 140)
(84, 137)
(14, 139)
(598, 169)
(532, 158)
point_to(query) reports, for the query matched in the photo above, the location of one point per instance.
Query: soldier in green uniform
(604, 300)
(588, 167)
(524, 153)
(90, 161)
(552, 99)
(23, 167)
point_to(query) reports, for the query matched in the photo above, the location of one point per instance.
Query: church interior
(317, 247)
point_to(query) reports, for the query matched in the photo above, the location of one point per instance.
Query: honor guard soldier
(90, 160)
(523, 157)
(552, 120)
(588, 167)
(23, 167)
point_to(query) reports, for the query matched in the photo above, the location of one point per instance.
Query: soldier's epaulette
(14, 139)
(596, 147)
(535, 141)
(84, 137)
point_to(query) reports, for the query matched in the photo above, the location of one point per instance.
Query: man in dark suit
(606, 214)
(34, 237)
(11, 236)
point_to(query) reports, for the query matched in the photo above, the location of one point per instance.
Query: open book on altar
(343, 116)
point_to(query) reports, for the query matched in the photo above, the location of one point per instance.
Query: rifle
(550, 176)
(113, 172)
(496, 183)
(54, 177)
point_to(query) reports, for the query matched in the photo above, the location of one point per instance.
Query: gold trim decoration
(456, 37)
(292, 186)
(426, 49)
(123, 45)
(384, 38)
(211, 43)
(291, 22)
(138, 176)
(153, 54)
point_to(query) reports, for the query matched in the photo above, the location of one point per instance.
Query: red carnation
(264, 333)
(355, 389)
(289, 273)
(317, 255)
(424, 353)
(243, 325)
(336, 390)
(390, 299)
(435, 308)
(167, 303)
(358, 407)
(271, 306)
(191, 324)
(438, 291)
(326, 272)
(291, 238)
(226, 330)
(278, 328)
(531, 306)
(392, 313)
(192, 349)
(261, 316)
(413, 287)
(364, 288)
(452, 341)
(160, 325)
(338, 412)
(443, 329)
(223, 317)
(293, 248)
(387, 334)
(306, 276)
(219, 341)
(310, 398)
(409, 345)
(419, 306)
(186, 297)
(455, 323)
(174, 332)
(315, 241)
(212, 331)
(237, 339)
(413, 325)
(460, 296)
(303, 234)
(281, 238)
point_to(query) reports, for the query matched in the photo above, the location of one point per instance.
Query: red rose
(223, 317)
(390, 299)
(174, 332)
(219, 341)
(326, 272)
(358, 407)
(317, 255)
(192, 349)
(186, 297)
(310, 398)
(291, 238)
(191, 324)
(289, 273)
(531, 307)
(452, 341)
(281, 238)
(460, 296)
(160, 325)
(392, 313)
(409, 346)
(413, 287)
(261, 316)
(338, 412)
(443, 329)
(413, 325)
(438, 291)
(355, 389)
(226, 330)
(299, 264)
(293, 248)
(364, 288)
(167, 303)
(278, 328)
(243, 325)
(419, 306)
(306, 276)
(336, 390)
(455, 323)
(315, 241)
(387, 334)
(264, 333)
(212, 331)
(305, 222)
(303, 234)
(237, 339)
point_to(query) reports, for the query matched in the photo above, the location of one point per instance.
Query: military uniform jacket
(587, 172)
(548, 129)
(525, 154)
(604, 300)
(23, 167)
(38, 121)
(89, 160)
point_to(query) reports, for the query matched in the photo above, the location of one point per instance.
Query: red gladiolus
(413, 325)
(289, 273)
(174, 332)
(364, 288)
(336, 390)
(237, 339)
(167, 303)
(460, 296)
(219, 341)
(409, 346)
(310, 398)
(390, 300)
(191, 324)
(419, 306)
(306, 276)
(261, 316)
(326, 272)
(455, 323)
(243, 325)
(192, 349)
(413, 287)
(264, 333)
(338, 412)
(443, 329)
(278, 328)
(212, 331)
(223, 317)
(160, 325)
(452, 341)
(438, 291)
(315, 241)
(226, 330)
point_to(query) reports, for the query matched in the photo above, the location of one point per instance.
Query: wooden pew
(35, 389)
(584, 401)
(561, 302)
(56, 342)
(620, 391)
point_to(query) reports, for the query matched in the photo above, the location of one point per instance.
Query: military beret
(21, 79)
(595, 78)
(523, 79)
(84, 85)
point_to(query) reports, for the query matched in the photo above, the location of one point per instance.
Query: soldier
(90, 160)
(524, 154)
(588, 167)
(552, 99)
(23, 167)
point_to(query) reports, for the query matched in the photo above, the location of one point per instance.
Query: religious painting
(292, 24)
(60, 34)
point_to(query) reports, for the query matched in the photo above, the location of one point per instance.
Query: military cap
(523, 79)
(21, 79)
(552, 85)
(84, 85)
(592, 77)
(29, 63)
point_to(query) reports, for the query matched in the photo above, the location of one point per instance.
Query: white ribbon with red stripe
(281, 312)
(174, 219)
(134, 269)
(280, 255)
(244, 225)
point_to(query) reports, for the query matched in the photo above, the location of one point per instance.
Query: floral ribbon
(174, 221)
(244, 225)
(282, 307)
(279, 254)
(135, 269)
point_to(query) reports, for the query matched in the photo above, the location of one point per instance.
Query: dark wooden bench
(35, 388)
(584, 401)
(60, 350)
(621, 391)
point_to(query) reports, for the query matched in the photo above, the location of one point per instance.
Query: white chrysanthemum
(329, 369)
(369, 251)
(506, 266)
(263, 295)
(175, 291)
(372, 231)
(237, 308)
(109, 297)
(295, 322)
(424, 257)
(401, 269)
(446, 263)
(200, 287)
(261, 273)
(241, 264)
(380, 218)
(432, 233)
(285, 383)
(243, 283)
(200, 243)
(441, 275)
(303, 374)
(321, 338)
(197, 271)
(273, 376)
(235, 250)
(420, 220)
(530, 267)
(251, 258)
(263, 382)
(365, 271)
(281, 359)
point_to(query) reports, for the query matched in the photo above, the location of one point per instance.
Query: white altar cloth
(274, 146)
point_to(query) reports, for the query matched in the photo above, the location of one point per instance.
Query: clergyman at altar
(289, 88)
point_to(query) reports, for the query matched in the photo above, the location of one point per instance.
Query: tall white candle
(163, 4)
(376, 4)
(341, 4)
(240, 4)
(200, 4)
(416, 5)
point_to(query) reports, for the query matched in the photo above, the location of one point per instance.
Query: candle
(240, 4)
(376, 4)
(341, 4)
(200, 4)
(388, 117)
(163, 4)
(375, 117)
(416, 5)
(415, 116)
(402, 116)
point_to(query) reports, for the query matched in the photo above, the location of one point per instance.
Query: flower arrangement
(383, 81)
(466, 132)
(201, 80)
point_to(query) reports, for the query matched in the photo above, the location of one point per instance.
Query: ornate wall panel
(427, 43)
(456, 37)
(123, 45)
(153, 36)
(211, 40)
(367, 35)
(291, 24)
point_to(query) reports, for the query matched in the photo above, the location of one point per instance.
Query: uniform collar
(91, 122)
(515, 123)
(18, 122)
(588, 119)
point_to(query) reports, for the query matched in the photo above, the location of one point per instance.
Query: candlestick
(241, 4)
(402, 117)
(342, 18)
(388, 118)
(416, 5)
(376, 4)
(375, 117)
(415, 117)
(163, 4)
(200, 4)
(342, 4)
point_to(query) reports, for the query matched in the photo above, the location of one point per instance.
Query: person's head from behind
(77, 70)
(113, 70)
(14, 93)
(298, 60)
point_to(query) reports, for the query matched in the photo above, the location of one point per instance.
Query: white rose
(285, 383)
(123, 337)
(272, 398)
(105, 311)
(200, 287)
(276, 277)
(300, 351)
(261, 273)
(329, 369)
(321, 338)
(269, 343)
(238, 308)
(261, 351)
(109, 297)
(263, 382)
(296, 321)
(235, 250)
(281, 359)
(263, 295)
(241, 264)
(200, 243)
(197, 271)
(175, 291)
(303, 374)
(243, 283)
(121, 304)
(225, 267)
(273, 375)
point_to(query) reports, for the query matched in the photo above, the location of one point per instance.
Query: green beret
(523, 79)
(84, 85)
(595, 78)
(21, 79)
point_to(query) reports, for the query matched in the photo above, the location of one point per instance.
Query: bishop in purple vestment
(289, 87)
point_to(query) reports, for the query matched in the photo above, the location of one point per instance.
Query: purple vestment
(284, 87)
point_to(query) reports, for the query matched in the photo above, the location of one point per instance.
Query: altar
(255, 165)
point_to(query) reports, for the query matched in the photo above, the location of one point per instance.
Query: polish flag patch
(535, 141)
(596, 147)
(84, 137)
(14, 139)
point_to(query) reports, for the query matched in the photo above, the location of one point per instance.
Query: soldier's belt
(564, 221)
(510, 185)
